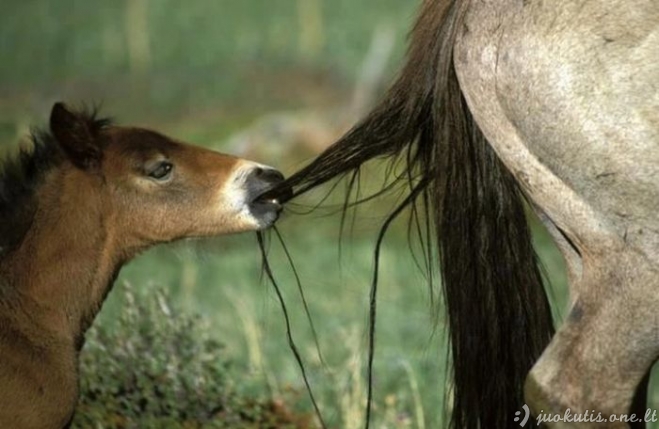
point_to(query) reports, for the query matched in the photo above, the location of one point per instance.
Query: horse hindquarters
(567, 95)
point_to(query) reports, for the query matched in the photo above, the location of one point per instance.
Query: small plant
(159, 368)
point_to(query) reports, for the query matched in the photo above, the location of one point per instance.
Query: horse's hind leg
(566, 92)
(581, 368)
(606, 345)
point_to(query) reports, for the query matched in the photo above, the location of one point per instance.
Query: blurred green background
(275, 81)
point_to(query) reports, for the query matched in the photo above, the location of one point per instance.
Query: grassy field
(202, 71)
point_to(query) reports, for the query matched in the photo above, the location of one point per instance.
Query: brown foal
(89, 197)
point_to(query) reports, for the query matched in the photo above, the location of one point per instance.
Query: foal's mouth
(266, 211)
(278, 193)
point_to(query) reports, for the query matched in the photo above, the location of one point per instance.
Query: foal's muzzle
(266, 208)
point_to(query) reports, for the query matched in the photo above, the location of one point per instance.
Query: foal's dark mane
(22, 174)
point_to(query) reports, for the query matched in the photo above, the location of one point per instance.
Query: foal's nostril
(260, 180)
(269, 175)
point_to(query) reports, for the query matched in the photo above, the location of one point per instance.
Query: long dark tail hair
(498, 313)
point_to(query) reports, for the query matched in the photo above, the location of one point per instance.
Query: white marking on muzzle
(235, 198)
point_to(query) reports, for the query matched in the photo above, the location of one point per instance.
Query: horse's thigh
(580, 83)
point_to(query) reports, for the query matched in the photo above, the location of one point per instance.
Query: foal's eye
(161, 171)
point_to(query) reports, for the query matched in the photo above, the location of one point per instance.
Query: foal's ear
(75, 136)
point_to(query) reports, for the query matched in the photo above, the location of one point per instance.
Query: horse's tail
(499, 316)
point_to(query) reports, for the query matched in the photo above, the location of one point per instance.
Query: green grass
(171, 59)
(157, 366)
(224, 284)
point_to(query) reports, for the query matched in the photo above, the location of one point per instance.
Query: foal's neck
(67, 261)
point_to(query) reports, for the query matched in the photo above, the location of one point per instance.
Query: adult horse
(556, 102)
(89, 197)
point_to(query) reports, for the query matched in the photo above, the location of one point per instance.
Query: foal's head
(72, 211)
(154, 189)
